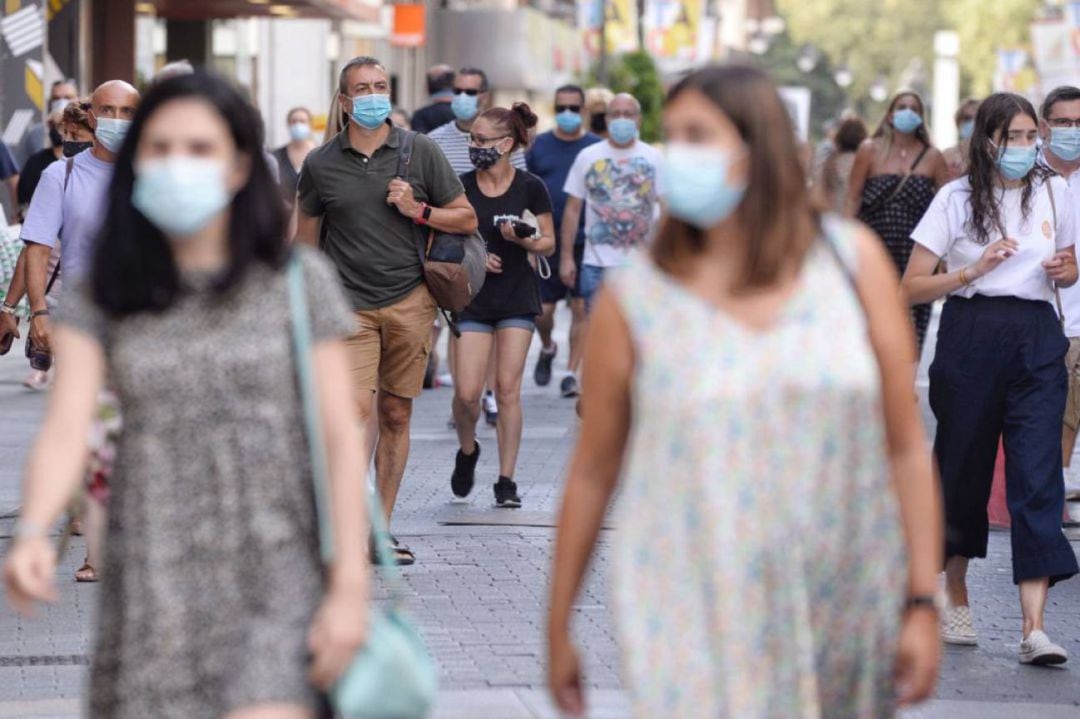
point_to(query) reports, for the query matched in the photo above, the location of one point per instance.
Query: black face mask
(73, 148)
(484, 158)
(55, 138)
(598, 124)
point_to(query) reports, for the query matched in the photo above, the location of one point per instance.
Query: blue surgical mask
(1065, 142)
(299, 131)
(568, 121)
(966, 128)
(906, 120)
(111, 132)
(371, 111)
(699, 190)
(1016, 162)
(622, 130)
(465, 107)
(180, 195)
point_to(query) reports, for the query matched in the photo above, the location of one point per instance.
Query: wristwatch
(425, 214)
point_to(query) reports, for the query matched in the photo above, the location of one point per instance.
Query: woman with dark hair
(692, 400)
(212, 594)
(505, 310)
(1006, 231)
(836, 170)
(893, 181)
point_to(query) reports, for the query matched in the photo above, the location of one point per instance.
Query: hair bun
(523, 111)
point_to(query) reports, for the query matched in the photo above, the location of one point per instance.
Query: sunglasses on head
(470, 92)
(567, 108)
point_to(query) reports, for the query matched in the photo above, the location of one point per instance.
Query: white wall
(292, 68)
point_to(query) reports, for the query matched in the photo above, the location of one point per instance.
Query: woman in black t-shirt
(505, 310)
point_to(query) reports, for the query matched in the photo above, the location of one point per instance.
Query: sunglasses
(470, 92)
(567, 108)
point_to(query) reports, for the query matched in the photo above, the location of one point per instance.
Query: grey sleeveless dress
(211, 572)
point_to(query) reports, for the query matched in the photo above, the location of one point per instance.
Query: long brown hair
(776, 211)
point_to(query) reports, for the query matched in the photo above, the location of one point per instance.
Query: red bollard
(997, 510)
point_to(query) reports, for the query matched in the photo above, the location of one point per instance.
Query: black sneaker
(542, 375)
(569, 386)
(464, 476)
(506, 495)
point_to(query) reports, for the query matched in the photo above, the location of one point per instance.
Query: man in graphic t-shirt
(617, 182)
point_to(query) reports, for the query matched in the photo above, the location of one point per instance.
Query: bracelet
(39, 313)
(8, 309)
(921, 601)
(963, 278)
(28, 529)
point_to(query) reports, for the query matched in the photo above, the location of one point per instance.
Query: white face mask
(111, 132)
(181, 194)
(58, 104)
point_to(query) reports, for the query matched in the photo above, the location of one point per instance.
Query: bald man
(617, 184)
(440, 81)
(70, 201)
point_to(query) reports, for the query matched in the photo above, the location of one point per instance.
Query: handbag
(392, 675)
(455, 266)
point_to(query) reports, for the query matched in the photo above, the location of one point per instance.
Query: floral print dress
(759, 561)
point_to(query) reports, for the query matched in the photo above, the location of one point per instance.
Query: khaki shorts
(1072, 404)
(390, 350)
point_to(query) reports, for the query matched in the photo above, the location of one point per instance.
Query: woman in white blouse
(1006, 232)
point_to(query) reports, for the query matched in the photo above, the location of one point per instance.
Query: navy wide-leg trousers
(999, 370)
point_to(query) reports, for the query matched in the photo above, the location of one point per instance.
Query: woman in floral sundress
(750, 384)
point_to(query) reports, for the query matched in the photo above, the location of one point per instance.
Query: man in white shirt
(1059, 128)
(617, 182)
(472, 96)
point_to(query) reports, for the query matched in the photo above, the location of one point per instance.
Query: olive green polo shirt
(372, 244)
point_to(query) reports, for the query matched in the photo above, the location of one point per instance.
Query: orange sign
(409, 26)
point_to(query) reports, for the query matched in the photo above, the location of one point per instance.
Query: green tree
(827, 99)
(874, 39)
(983, 28)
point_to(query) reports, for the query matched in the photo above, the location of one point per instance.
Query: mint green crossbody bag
(392, 675)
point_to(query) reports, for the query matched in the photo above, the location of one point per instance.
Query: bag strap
(903, 181)
(1053, 213)
(829, 234)
(69, 165)
(302, 349)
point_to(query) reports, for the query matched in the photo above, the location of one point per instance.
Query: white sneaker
(1037, 649)
(957, 627)
(1072, 486)
(446, 380)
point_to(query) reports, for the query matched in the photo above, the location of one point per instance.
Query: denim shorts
(521, 322)
(590, 277)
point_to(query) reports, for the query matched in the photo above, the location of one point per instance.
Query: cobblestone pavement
(479, 588)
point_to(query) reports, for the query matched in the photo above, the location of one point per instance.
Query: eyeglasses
(567, 108)
(617, 114)
(481, 140)
(1063, 122)
(471, 92)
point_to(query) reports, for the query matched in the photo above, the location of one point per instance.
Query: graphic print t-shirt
(621, 189)
(514, 291)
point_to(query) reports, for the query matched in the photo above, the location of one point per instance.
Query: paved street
(478, 590)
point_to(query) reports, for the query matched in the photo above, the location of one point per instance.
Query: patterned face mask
(484, 158)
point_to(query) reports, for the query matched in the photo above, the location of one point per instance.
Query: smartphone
(523, 229)
(40, 359)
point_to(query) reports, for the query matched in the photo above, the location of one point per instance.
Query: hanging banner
(1053, 53)
(409, 26)
(622, 25)
(672, 28)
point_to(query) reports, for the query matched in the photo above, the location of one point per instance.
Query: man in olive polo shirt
(370, 219)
